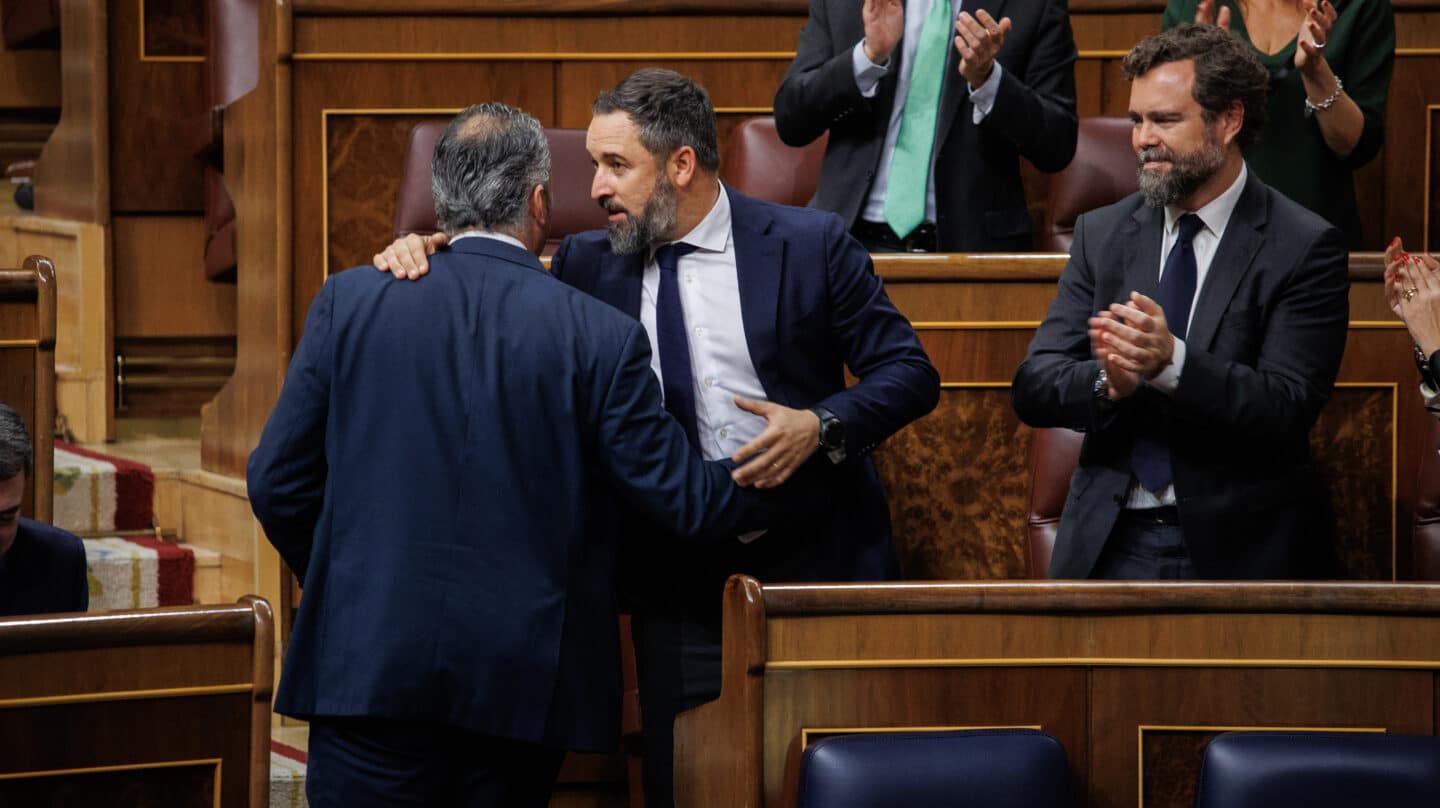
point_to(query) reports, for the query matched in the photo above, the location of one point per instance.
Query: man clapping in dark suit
(1196, 335)
(929, 105)
(444, 470)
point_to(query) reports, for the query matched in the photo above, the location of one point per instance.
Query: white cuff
(1169, 378)
(867, 73)
(982, 98)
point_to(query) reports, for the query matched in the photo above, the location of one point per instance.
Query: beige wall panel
(159, 289)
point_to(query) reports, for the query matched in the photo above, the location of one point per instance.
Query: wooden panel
(17, 389)
(606, 38)
(152, 102)
(1138, 717)
(743, 84)
(130, 697)
(160, 290)
(172, 29)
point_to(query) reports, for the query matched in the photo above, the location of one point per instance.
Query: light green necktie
(910, 163)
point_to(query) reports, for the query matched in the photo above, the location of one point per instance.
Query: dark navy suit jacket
(43, 572)
(811, 305)
(1261, 357)
(443, 469)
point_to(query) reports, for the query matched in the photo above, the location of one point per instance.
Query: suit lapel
(1232, 260)
(619, 281)
(759, 263)
(1144, 231)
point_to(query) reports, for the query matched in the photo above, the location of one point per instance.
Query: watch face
(832, 434)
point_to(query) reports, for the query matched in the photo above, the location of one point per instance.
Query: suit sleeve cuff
(867, 73)
(982, 98)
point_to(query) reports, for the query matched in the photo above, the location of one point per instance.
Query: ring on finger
(1319, 46)
(1411, 292)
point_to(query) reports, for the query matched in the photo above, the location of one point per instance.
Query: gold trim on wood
(972, 385)
(1104, 662)
(744, 110)
(19, 343)
(554, 56)
(144, 57)
(127, 695)
(1140, 745)
(1430, 110)
(805, 732)
(975, 325)
(325, 163)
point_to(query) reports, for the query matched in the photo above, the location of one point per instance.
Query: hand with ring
(1412, 289)
(1314, 33)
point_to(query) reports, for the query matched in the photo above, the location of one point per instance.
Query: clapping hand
(1205, 14)
(884, 23)
(1314, 33)
(978, 40)
(1412, 288)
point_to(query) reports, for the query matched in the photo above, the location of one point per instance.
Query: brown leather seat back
(1053, 456)
(571, 208)
(759, 164)
(1426, 531)
(1103, 172)
(232, 69)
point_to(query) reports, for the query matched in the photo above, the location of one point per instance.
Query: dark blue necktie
(675, 376)
(1150, 456)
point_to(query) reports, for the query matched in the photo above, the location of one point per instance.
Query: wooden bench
(1132, 678)
(164, 706)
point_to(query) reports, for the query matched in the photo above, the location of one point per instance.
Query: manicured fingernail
(1394, 241)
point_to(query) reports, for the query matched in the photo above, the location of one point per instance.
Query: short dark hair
(1226, 70)
(15, 447)
(671, 111)
(485, 165)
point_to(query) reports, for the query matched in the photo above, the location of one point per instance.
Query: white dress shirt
(1215, 215)
(485, 234)
(867, 79)
(720, 363)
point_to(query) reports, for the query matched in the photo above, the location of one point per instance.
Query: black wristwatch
(832, 432)
(1101, 390)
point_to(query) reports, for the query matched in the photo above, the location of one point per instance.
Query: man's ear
(1232, 120)
(682, 166)
(540, 206)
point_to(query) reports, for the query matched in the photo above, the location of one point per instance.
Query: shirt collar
(1215, 213)
(712, 234)
(486, 234)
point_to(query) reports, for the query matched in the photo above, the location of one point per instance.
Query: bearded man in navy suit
(753, 326)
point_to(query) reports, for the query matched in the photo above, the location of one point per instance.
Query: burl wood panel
(174, 28)
(1353, 443)
(956, 480)
(829, 702)
(1131, 705)
(362, 200)
(152, 166)
(351, 122)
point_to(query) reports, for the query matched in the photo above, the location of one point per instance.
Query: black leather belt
(1163, 515)
(921, 239)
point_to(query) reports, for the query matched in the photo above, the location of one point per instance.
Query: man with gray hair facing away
(42, 568)
(444, 469)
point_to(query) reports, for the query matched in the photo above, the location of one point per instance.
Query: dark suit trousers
(362, 762)
(678, 666)
(1142, 549)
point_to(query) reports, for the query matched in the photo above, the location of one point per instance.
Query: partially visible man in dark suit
(1196, 335)
(42, 568)
(444, 470)
(925, 138)
(754, 322)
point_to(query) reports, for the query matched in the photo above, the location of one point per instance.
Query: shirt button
(699, 331)
(689, 278)
(725, 433)
(710, 382)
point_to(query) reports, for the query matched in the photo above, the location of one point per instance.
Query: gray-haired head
(487, 163)
(16, 450)
(670, 110)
